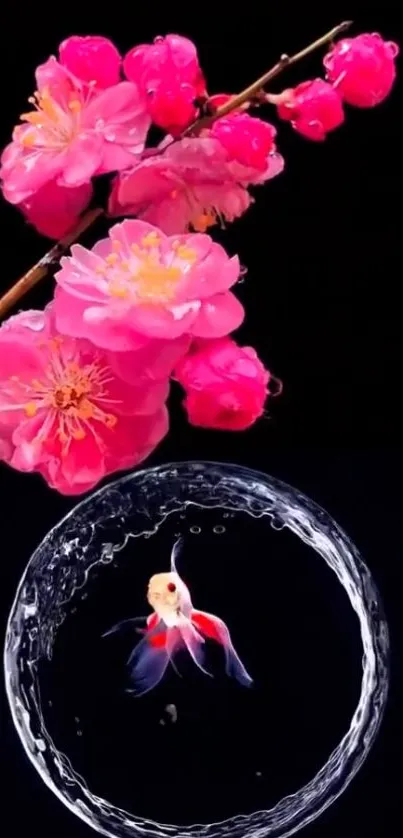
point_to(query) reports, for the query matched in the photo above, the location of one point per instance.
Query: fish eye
(171, 587)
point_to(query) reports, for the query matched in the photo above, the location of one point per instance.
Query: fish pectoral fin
(134, 622)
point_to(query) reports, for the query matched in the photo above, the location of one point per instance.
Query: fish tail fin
(212, 627)
(194, 643)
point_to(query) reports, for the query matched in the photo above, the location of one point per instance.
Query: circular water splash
(61, 565)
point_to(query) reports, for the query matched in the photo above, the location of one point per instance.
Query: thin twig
(249, 94)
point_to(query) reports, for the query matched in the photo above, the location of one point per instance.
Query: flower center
(52, 124)
(74, 396)
(156, 282)
(147, 276)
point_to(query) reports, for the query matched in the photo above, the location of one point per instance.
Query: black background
(322, 295)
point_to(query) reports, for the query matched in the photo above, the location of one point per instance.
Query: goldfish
(174, 626)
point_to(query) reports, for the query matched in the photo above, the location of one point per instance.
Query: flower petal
(82, 160)
(219, 316)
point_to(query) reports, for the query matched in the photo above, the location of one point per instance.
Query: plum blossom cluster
(84, 383)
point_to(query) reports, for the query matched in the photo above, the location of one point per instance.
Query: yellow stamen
(101, 269)
(31, 409)
(203, 222)
(136, 249)
(151, 239)
(33, 117)
(112, 259)
(124, 266)
(86, 410)
(28, 139)
(186, 253)
(156, 282)
(118, 291)
(78, 434)
(47, 105)
(110, 420)
(75, 106)
(116, 244)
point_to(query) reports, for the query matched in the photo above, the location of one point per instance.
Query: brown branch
(52, 257)
(251, 92)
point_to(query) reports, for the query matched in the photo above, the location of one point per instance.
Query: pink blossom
(191, 184)
(314, 108)
(139, 284)
(64, 412)
(54, 210)
(92, 59)
(169, 76)
(362, 68)
(73, 133)
(226, 385)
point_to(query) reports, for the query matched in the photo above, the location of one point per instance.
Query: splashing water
(111, 530)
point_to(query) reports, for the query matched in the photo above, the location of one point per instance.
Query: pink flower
(314, 108)
(54, 210)
(92, 59)
(191, 184)
(140, 284)
(73, 133)
(363, 69)
(168, 74)
(226, 385)
(246, 139)
(63, 411)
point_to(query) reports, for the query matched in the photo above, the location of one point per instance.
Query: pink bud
(246, 139)
(314, 108)
(226, 385)
(91, 58)
(171, 106)
(168, 73)
(363, 69)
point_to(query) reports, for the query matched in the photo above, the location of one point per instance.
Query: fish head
(164, 592)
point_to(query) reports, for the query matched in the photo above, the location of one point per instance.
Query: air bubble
(51, 584)
(218, 529)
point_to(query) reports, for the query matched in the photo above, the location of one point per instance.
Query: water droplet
(195, 530)
(218, 529)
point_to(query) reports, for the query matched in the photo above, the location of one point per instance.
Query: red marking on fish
(207, 625)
